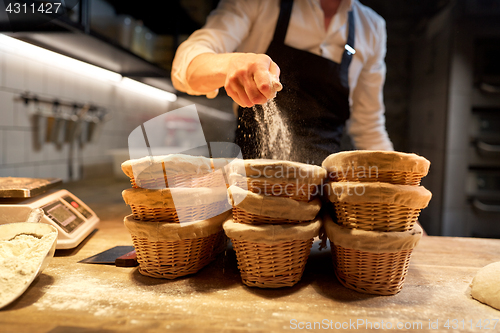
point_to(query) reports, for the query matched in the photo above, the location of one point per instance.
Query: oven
(483, 177)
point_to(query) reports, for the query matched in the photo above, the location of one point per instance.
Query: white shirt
(248, 26)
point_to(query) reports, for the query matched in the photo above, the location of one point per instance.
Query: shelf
(69, 38)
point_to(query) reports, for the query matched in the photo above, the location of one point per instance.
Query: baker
(328, 55)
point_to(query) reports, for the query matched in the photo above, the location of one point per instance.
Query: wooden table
(76, 297)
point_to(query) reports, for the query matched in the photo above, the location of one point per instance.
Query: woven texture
(371, 241)
(383, 166)
(371, 273)
(171, 215)
(213, 179)
(172, 259)
(174, 197)
(376, 217)
(242, 216)
(383, 193)
(271, 206)
(271, 233)
(265, 168)
(295, 191)
(391, 177)
(272, 266)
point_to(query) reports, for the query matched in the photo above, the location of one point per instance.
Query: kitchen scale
(73, 219)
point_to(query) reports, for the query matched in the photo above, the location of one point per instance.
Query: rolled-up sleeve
(367, 121)
(227, 26)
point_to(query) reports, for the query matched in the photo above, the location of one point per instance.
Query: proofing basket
(292, 190)
(171, 215)
(175, 170)
(174, 205)
(298, 181)
(271, 256)
(256, 209)
(377, 206)
(376, 166)
(242, 216)
(371, 262)
(161, 255)
(212, 179)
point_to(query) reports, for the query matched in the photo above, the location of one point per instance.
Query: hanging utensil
(38, 122)
(95, 126)
(59, 130)
(73, 124)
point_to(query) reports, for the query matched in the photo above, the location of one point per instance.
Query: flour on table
(20, 258)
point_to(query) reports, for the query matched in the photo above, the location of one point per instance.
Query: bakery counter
(75, 297)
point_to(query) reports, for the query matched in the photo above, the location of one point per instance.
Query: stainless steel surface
(19, 187)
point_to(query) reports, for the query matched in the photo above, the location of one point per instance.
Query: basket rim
(371, 241)
(174, 197)
(271, 233)
(383, 160)
(173, 164)
(167, 231)
(273, 206)
(378, 192)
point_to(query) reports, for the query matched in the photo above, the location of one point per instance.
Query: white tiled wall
(18, 156)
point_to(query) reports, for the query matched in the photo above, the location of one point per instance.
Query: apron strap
(348, 51)
(283, 20)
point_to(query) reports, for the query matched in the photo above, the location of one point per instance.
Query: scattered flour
(20, 258)
(275, 141)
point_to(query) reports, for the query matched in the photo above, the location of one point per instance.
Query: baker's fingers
(275, 72)
(236, 91)
(274, 69)
(259, 87)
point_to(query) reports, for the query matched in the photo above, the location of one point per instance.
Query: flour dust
(275, 140)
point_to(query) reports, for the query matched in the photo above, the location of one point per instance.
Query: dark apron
(314, 101)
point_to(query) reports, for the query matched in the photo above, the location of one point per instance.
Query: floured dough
(485, 286)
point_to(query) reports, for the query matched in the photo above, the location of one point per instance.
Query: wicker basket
(252, 208)
(376, 217)
(242, 216)
(171, 215)
(175, 170)
(292, 190)
(293, 180)
(171, 258)
(378, 206)
(271, 256)
(371, 262)
(272, 265)
(391, 177)
(212, 179)
(376, 166)
(371, 273)
(174, 205)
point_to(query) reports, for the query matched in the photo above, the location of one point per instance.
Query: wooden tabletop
(75, 297)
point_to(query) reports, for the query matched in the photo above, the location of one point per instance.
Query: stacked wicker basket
(274, 219)
(178, 203)
(377, 200)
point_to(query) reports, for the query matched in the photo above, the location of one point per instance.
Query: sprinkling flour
(275, 135)
(20, 258)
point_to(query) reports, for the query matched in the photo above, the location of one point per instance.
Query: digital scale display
(73, 219)
(64, 216)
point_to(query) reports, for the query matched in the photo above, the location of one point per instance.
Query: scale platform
(73, 219)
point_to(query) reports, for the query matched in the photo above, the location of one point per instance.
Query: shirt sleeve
(226, 27)
(366, 124)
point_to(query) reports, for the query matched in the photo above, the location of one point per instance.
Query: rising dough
(485, 286)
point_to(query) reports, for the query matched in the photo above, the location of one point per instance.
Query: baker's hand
(252, 79)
